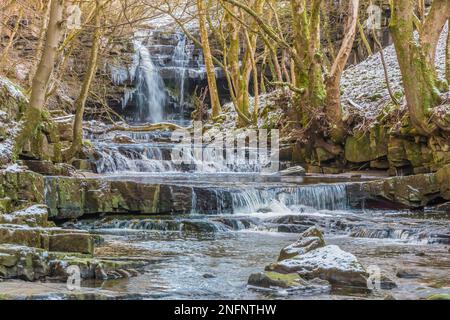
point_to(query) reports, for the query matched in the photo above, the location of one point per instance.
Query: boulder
(72, 242)
(291, 282)
(309, 240)
(365, 147)
(270, 279)
(357, 148)
(21, 235)
(328, 263)
(22, 262)
(439, 296)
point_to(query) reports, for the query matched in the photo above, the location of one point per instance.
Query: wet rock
(209, 276)
(72, 242)
(328, 263)
(411, 191)
(71, 198)
(21, 235)
(22, 262)
(100, 273)
(439, 296)
(293, 171)
(121, 138)
(270, 279)
(407, 273)
(387, 283)
(443, 207)
(309, 240)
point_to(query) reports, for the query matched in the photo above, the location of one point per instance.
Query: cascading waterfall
(144, 157)
(149, 94)
(131, 158)
(278, 199)
(180, 61)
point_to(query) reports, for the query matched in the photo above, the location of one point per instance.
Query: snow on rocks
(309, 262)
(328, 263)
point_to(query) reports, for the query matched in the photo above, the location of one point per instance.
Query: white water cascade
(180, 60)
(150, 94)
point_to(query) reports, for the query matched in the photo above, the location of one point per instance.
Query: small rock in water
(420, 254)
(328, 263)
(407, 274)
(100, 274)
(309, 240)
(208, 276)
(120, 138)
(387, 283)
(274, 279)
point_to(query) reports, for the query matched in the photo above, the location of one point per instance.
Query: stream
(210, 255)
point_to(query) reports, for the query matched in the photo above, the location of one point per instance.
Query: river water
(210, 254)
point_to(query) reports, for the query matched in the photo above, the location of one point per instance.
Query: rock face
(32, 264)
(411, 191)
(309, 259)
(70, 198)
(19, 188)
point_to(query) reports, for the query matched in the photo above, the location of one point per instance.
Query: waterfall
(150, 94)
(180, 61)
(144, 157)
(130, 158)
(287, 200)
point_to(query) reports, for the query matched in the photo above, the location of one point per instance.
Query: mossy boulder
(439, 296)
(367, 146)
(269, 279)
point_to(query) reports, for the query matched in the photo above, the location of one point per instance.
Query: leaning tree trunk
(41, 79)
(333, 108)
(210, 71)
(82, 97)
(447, 54)
(415, 60)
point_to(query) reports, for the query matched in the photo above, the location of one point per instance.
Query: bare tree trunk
(210, 71)
(41, 79)
(333, 101)
(88, 77)
(447, 54)
(41, 41)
